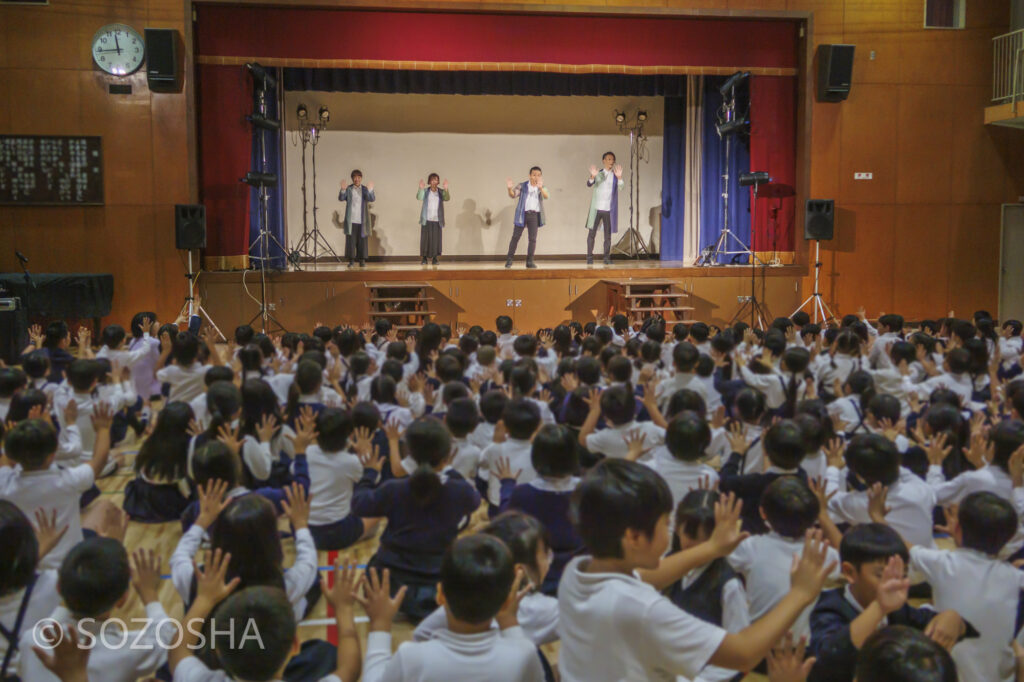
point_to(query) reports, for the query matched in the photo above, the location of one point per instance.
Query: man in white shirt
(357, 216)
(604, 205)
(529, 213)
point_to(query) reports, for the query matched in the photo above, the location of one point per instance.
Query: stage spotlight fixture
(324, 114)
(754, 178)
(620, 117)
(260, 179)
(733, 81)
(261, 121)
(302, 113)
(730, 127)
(261, 75)
(641, 116)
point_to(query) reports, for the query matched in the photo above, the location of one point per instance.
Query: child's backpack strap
(13, 635)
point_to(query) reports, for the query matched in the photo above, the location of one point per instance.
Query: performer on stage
(604, 205)
(432, 217)
(357, 216)
(529, 213)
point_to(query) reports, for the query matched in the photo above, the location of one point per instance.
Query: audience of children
(648, 531)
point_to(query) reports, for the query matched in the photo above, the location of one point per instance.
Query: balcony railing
(1008, 67)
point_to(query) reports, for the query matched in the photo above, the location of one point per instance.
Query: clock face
(118, 49)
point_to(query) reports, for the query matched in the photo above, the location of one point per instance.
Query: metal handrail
(1007, 50)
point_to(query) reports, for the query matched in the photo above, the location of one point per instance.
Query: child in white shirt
(617, 405)
(684, 362)
(680, 459)
(462, 418)
(521, 419)
(186, 374)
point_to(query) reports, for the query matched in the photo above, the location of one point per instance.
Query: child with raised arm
(615, 625)
(432, 216)
(358, 198)
(604, 205)
(529, 213)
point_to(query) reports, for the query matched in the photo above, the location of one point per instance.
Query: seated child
(198, 404)
(681, 461)
(185, 376)
(461, 418)
(901, 654)
(160, 491)
(12, 380)
(478, 584)
(617, 406)
(874, 559)
(521, 419)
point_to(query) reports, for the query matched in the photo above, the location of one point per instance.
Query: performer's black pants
(532, 220)
(355, 244)
(606, 218)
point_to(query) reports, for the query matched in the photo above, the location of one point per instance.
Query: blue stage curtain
(711, 205)
(275, 205)
(673, 179)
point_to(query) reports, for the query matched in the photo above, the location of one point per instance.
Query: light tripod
(758, 312)
(631, 244)
(816, 300)
(190, 308)
(261, 178)
(313, 241)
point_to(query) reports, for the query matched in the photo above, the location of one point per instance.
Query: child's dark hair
(81, 374)
(884, 406)
(861, 383)
(477, 572)
(308, 379)
(1014, 325)
(1006, 437)
(784, 444)
(429, 445)
(136, 324)
(874, 458)
(462, 416)
(452, 391)
(12, 380)
(535, 168)
(869, 542)
(795, 361)
(218, 373)
(618, 405)
(334, 426)
(750, 405)
(30, 443)
(492, 405)
(695, 515)
(36, 364)
(521, 417)
(94, 576)
(685, 356)
(22, 403)
(686, 399)
(244, 334)
(163, 455)
(223, 401)
(503, 324)
(812, 432)
(899, 653)
(987, 522)
(383, 389)
(112, 336)
(620, 369)
(185, 349)
(553, 452)
(524, 536)
(687, 436)
(258, 401)
(55, 333)
(247, 528)
(616, 496)
(789, 506)
(255, 658)
(214, 461)
(21, 547)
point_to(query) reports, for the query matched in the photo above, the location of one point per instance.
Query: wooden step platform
(406, 305)
(636, 297)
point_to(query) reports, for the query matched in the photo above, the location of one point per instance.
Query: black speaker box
(163, 70)
(190, 226)
(819, 219)
(13, 334)
(835, 68)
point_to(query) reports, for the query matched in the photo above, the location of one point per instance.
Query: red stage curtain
(315, 33)
(773, 149)
(225, 145)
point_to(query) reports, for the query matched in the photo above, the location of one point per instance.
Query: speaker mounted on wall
(819, 219)
(163, 70)
(189, 226)
(835, 71)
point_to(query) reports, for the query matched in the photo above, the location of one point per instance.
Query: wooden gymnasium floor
(164, 538)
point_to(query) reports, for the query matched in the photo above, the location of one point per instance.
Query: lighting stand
(190, 308)
(631, 244)
(263, 241)
(758, 312)
(310, 133)
(816, 300)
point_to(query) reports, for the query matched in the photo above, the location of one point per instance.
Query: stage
(475, 292)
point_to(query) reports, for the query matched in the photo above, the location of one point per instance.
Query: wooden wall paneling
(545, 303)
(923, 151)
(224, 302)
(974, 258)
(781, 295)
(828, 15)
(920, 266)
(43, 102)
(929, 57)
(5, 28)
(5, 94)
(125, 123)
(868, 138)
(992, 13)
(884, 68)
(875, 15)
(589, 298)
(714, 299)
(446, 303)
(756, 4)
(973, 50)
(44, 37)
(978, 173)
(826, 137)
(170, 127)
(860, 269)
(481, 301)
(55, 239)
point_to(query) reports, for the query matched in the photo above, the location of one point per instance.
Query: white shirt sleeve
(181, 560)
(69, 444)
(299, 578)
(742, 558)
(675, 641)
(378, 664)
(538, 616)
(257, 457)
(945, 491)
(80, 477)
(194, 670)
(429, 626)
(735, 612)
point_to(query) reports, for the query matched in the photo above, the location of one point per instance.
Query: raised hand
(230, 438)
(617, 170)
(508, 616)
(146, 575)
(727, 534)
(834, 453)
(444, 185)
(635, 441)
(877, 508)
(981, 451)
(347, 579)
(893, 586)
(376, 599)
(593, 171)
(210, 586)
(504, 471)
(810, 570)
(937, 450)
(102, 417)
(786, 661)
(818, 487)
(509, 183)
(343, 184)
(296, 505)
(47, 532)
(423, 185)
(212, 501)
(946, 629)
(305, 432)
(369, 186)
(64, 656)
(952, 514)
(737, 437)
(265, 429)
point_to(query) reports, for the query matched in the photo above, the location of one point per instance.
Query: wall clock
(118, 49)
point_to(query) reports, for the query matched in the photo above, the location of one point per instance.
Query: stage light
(262, 76)
(641, 116)
(261, 121)
(620, 117)
(260, 179)
(325, 114)
(733, 81)
(302, 113)
(730, 127)
(754, 178)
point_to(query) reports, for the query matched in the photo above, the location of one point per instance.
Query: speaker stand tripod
(190, 308)
(816, 300)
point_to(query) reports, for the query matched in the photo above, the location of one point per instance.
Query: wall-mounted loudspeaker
(189, 226)
(163, 71)
(819, 219)
(835, 68)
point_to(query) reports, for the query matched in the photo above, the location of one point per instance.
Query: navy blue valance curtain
(270, 152)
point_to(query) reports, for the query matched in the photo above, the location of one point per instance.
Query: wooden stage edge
(467, 293)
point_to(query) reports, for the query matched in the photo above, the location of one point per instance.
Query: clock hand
(117, 43)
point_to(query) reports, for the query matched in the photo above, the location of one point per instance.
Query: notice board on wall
(55, 170)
